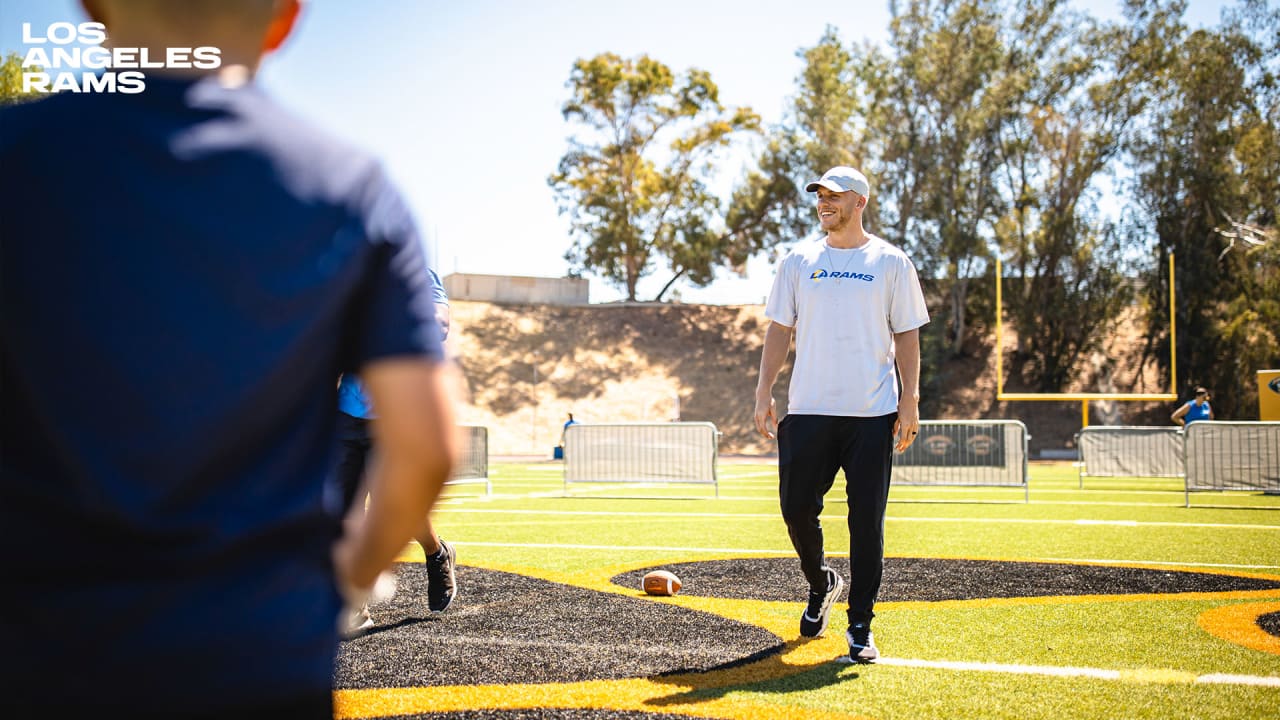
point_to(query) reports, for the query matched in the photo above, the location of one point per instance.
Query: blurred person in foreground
(186, 270)
(855, 305)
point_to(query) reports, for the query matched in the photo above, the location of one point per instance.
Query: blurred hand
(346, 569)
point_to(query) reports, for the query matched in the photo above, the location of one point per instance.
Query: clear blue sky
(459, 96)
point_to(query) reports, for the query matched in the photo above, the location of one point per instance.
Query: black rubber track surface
(504, 628)
(933, 579)
(1270, 623)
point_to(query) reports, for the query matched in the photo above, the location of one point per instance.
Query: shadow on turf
(770, 675)
(392, 627)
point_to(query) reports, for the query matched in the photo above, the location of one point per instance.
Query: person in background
(168, 347)
(564, 433)
(1194, 409)
(565, 430)
(355, 414)
(855, 306)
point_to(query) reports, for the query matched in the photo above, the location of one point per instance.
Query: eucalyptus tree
(918, 117)
(636, 181)
(1079, 87)
(1206, 165)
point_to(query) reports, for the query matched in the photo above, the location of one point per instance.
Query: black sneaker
(441, 586)
(814, 620)
(862, 645)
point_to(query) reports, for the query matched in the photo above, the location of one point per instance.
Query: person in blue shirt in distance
(355, 412)
(1194, 409)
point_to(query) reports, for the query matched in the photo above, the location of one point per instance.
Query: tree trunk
(959, 294)
(633, 277)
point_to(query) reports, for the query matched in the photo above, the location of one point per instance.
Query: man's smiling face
(836, 210)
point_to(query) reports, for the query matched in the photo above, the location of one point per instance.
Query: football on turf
(661, 582)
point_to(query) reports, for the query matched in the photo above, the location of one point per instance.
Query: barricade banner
(979, 445)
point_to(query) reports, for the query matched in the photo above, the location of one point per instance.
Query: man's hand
(766, 412)
(907, 426)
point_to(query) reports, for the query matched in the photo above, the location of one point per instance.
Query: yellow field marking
(695, 694)
(674, 694)
(412, 553)
(1238, 624)
(641, 695)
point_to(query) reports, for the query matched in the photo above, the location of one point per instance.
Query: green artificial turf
(1156, 642)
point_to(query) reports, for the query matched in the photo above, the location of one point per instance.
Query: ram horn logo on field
(1274, 385)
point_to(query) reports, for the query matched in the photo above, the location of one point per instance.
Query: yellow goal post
(1085, 397)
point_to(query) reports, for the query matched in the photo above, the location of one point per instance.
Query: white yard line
(659, 548)
(789, 551)
(1057, 671)
(896, 518)
(1097, 673)
(1174, 563)
(1226, 679)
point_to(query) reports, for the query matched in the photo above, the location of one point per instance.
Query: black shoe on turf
(814, 620)
(441, 583)
(862, 645)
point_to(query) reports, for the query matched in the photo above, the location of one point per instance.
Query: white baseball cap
(842, 179)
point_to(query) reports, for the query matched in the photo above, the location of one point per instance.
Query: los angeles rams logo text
(838, 275)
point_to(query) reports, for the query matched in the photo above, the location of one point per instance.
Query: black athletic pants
(811, 449)
(354, 445)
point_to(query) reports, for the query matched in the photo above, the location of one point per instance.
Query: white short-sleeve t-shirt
(845, 306)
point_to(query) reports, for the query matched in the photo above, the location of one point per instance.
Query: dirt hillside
(528, 366)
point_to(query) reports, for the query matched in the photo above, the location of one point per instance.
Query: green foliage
(827, 105)
(992, 127)
(636, 189)
(1077, 92)
(983, 127)
(11, 81)
(1207, 165)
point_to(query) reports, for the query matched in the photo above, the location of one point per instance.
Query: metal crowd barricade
(966, 452)
(473, 466)
(1130, 451)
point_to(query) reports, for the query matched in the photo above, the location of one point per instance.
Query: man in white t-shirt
(855, 305)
